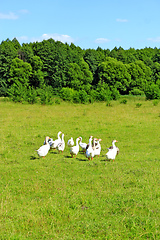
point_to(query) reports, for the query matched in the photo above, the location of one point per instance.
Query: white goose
(97, 148)
(43, 150)
(112, 151)
(61, 145)
(56, 142)
(75, 149)
(50, 141)
(89, 151)
(70, 142)
(82, 144)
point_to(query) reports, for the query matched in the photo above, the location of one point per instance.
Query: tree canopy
(86, 74)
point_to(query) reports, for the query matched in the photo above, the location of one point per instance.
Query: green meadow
(59, 197)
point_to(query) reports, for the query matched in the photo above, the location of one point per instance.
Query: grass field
(59, 197)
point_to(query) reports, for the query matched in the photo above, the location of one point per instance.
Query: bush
(138, 105)
(67, 94)
(136, 92)
(18, 92)
(152, 92)
(108, 104)
(21, 93)
(155, 102)
(31, 95)
(123, 101)
(76, 97)
(93, 95)
(45, 95)
(71, 95)
(3, 89)
(91, 99)
(103, 92)
(83, 96)
(57, 101)
(115, 94)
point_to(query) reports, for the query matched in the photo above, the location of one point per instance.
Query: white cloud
(157, 39)
(57, 37)
(102, 40)
(8, 16)
(121, 20)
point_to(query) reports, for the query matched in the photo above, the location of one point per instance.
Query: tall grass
(63, 198)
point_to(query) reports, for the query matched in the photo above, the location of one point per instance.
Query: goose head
(80, 138)
(47, 139)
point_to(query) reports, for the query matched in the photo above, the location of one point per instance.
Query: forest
(48, 70)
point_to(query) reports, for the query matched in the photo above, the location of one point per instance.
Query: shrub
(21, 93)
(91, 99)
(136, 92)
(115, 94)
(103, 92)
(93, 95)
(57, 101)
(45, 95)
(138, 105)
(67, 94)
(152, 92)
(83, 96)
(76, 97)
(123, 101)
(31, 95)
(108, 104)
(3, 88)
(155, 102)
(71, 95)
(18, 92)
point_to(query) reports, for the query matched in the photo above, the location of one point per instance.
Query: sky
(86, 23)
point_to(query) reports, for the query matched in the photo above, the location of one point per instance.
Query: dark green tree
(140, 75)
(25, 53)
(152, 91)
(93, 58)
(37, 76)
(16, 44)
(7, 53)
(115, 74)
(155, 68)
(79, 77)
(20, 72)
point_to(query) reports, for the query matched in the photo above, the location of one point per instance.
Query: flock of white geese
(91, 149)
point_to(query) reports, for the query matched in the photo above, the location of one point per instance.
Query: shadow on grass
(76, 158)
(33, 158)
(82, 160)
(69, 157)
(106, 160)
(53, 152)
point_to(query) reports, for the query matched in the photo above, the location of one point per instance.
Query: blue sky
(86, 23)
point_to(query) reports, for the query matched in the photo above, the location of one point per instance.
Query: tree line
(39, 71)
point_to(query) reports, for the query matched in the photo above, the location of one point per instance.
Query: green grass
(63, 198)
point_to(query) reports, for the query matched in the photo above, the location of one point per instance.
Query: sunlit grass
(63, 198)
